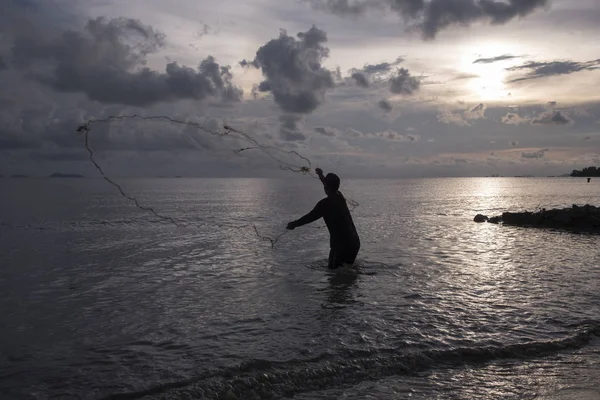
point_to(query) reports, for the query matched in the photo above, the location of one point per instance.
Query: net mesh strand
(305, 168)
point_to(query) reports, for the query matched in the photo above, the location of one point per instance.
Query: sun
(488, 78)
(489, 84)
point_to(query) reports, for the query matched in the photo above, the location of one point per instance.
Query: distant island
(59, 175)
(586, 172)
(19, 176)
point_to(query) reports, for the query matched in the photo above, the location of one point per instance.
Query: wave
(274, 379)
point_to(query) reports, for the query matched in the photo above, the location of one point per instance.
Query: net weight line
(85, 128)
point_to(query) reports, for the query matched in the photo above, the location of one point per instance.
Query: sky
(363, 88)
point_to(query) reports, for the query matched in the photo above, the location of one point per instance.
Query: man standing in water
(344, 240)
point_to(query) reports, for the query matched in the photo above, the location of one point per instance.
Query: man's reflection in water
(340, 291)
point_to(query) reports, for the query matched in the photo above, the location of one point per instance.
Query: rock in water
(480, 218)
(495, 220)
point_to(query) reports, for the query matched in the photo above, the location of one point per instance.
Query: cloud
(361, 79)
(514, 119)
(289, 130)
(477, 112)
(293, 72)
(17, 142)
(404, 83)
(63, 155)
(368, 72)
(464, 76)
(326, 131)
(3, 64)
(202, 32)
(106, 62)
(448, 117)
(494, 59)
(373, 69)
(385, 105)
(389, 135)
(536, 154)
(552, 117)
(354, 133)
(432, 16)
(536, 70)
(342, 7)
(462, 118)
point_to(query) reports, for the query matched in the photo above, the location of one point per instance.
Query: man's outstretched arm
(312, 216)
(319, 172)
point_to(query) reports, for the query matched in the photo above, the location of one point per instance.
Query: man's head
(332, 183)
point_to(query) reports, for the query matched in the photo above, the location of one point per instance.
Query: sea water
(99, 299)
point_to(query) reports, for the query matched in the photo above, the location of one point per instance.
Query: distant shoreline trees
(586, 172)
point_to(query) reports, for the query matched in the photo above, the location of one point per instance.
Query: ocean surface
(101, 300)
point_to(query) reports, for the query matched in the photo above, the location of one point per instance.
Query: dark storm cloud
(106, 62)
(385, 105)
(404, 83)
(440, 14)
(552, 117)
(361, 79)
(289, 130)
(293, 72)
(432, 16)
(536, 154)
(536, 70)
(2, 64)
(30, 127)
(494, 59)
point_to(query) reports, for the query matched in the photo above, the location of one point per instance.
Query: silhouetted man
(344, 241)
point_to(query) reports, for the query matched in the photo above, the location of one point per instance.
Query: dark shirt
(335, 212)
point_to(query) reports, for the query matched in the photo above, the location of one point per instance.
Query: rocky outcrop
(577, 217)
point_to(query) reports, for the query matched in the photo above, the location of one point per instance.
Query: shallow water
(102, 300)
